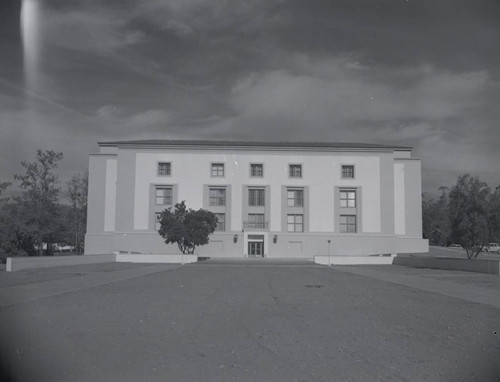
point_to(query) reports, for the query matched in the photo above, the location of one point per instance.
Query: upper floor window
(256, 197)
(164, 168)
(217, 197)
(295, 198)
(348, 223)
(221, 222)
(348, 198)
(163, 196)
(348, 171)
(257, 169)
(295, 223)
(295, 171)
(217, 169)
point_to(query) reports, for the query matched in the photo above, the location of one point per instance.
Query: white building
(273, 199)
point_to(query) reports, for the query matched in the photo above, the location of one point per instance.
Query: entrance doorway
(256, 245)
(256, 249)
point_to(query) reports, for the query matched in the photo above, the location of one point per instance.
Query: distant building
(272, 199)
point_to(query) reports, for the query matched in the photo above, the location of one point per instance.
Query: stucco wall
(388, 191)
(321, 173)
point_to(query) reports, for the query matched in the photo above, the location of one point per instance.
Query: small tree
(40, 197)
(186, 227)
(77, 192)
(468, 208)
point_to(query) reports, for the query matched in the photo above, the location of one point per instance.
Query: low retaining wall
(19, 263)
(353, 260)
(476, 265)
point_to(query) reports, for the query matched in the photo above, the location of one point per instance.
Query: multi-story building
(272, 199)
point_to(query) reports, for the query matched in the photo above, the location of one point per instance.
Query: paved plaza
(249, 321)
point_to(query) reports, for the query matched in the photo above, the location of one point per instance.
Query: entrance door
(256, 248)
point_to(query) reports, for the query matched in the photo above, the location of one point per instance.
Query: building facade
(276, 200)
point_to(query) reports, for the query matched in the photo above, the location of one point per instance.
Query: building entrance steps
(254, 261)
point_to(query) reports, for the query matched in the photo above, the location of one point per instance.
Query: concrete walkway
(397, 275)
(81, 280)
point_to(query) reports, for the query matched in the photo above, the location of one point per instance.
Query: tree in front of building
(468, 213)
(186, 227)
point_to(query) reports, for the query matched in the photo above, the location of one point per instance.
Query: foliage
(77, 222)
(186, 227)
(40, 198)
(3, 187)
(468, 214)
(15, 239)
(15, 236)
(494, 215)
(435, 220)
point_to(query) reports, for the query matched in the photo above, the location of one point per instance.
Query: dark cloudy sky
(421, 73)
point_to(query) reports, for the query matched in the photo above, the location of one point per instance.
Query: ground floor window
(348, 223)
(163, 196)
(295, 223)
(221, 222)
(157, 221)
(256, 221)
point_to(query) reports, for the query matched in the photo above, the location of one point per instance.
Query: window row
(295, 222)
(217, 170)
(256, 197)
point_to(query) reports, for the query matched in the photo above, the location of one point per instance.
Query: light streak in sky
(30, 33)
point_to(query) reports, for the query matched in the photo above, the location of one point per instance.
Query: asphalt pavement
(248, 321)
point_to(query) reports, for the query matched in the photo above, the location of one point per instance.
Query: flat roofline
(199, 144)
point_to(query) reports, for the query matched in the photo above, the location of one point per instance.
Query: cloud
(188, 17)
(342, 92)
(120, 123)
(90, 29)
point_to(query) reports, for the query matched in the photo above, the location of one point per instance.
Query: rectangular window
(221, 222)
(217, 169)
(348, 198)
(217, 197)
(157, 221)
(257, 170)
(295, 198)
(256, 221)
(163, 196)
(164, 169)
(347, 171)
(295, 223)
(295, 171)
(348, 223)
(256, 197)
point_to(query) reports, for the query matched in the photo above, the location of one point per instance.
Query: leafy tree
(15, 239)
(78, 192)
(186, 227)
(494, 215)
(3, 187)
(435, 219)
(468, 213)
(40, 198)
